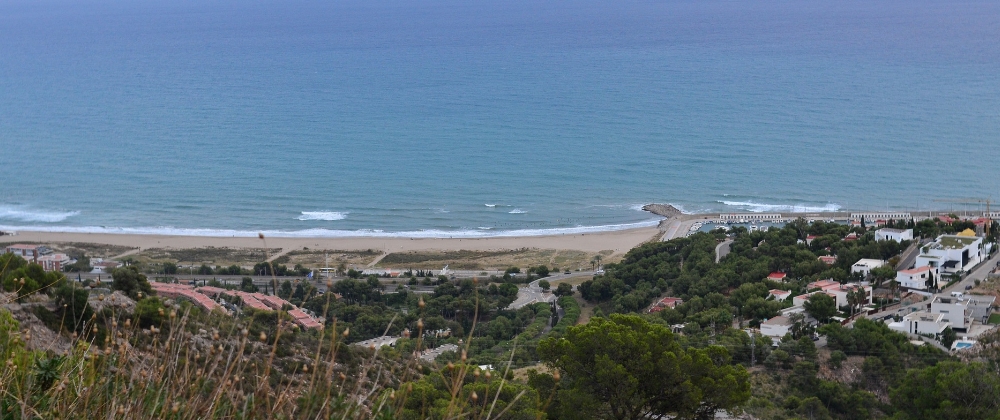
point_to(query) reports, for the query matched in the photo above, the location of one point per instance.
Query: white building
(776, 327)
(952, 253)
(921, 323)
(779, 295)
(916, 278)
(954, 309)
(865, 266)
(898, 235)
(751, 217)
(871, 217)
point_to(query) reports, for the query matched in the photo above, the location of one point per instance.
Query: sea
(478, 118)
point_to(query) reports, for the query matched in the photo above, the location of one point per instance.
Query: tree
(72, 302)
(948, 337)
(544, 284)
(820, 306)
(285, 291)
(205, 270)
(169, 268)
(149, 312)
(564, 289)
(130, 281)
(637, 370)
(31, 278)
(949, 390)
(542, 271)
(247, 285)
(856, 299)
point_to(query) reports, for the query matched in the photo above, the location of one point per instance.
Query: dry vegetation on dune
(495, 260)
(207, 255)
(333, 257)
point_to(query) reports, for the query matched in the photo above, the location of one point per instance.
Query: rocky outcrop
(664, 210)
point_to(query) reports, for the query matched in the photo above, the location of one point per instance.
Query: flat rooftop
(956, 242)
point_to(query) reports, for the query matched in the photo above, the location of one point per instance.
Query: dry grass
(586, 309)
(333, 257)
(198, 365)
(495, 260)
(209, 255)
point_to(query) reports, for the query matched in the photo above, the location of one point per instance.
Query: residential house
(921, 323)
(779, 295)
(865, 266)
(776, 327)
(838, 291)
(828, 259)
(777, 276)
(916, 278)
(952, 253)
(956, 310)
(898, 235)
(667, 302)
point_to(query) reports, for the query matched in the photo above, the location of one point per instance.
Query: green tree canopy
(564, 289)
(949, 390)
(637, 370)
(821, 306)
(130, 281)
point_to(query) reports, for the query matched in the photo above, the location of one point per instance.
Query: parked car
(969, 287)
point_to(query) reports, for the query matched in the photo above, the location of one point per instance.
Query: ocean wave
(792, 208)
(331, 233)
(491, 205)
(517, 211)
(323, 215)
(25, 214)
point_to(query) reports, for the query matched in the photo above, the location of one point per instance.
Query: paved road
(723, 249)
(978, 273)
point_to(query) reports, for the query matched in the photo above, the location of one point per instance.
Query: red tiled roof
(917, 270)
(172, 290)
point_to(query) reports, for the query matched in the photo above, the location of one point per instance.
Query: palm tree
(597, 259)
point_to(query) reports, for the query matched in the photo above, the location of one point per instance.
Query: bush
(836, 358)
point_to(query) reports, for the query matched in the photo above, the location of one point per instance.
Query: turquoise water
(478, 118)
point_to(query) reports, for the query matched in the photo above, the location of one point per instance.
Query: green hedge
(571, 315)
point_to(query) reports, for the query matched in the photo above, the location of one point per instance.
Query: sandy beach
(617, 241)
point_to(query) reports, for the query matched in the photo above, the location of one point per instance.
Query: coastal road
(722, 249)
(978, 273)
(532, 293)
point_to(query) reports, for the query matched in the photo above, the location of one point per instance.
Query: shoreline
(617, 238)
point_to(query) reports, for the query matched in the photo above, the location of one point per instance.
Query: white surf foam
(517, 211)
(323, 215)
(795, 208)
(26, 214)
(491, 205)
(331, 233)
